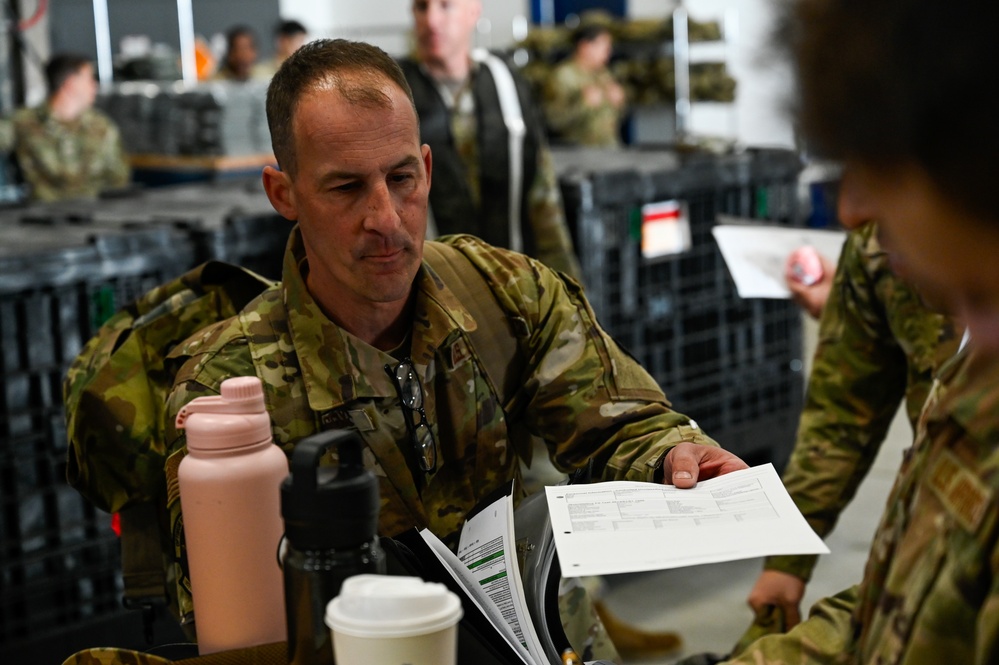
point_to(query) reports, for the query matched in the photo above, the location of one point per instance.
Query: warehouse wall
(72, 21)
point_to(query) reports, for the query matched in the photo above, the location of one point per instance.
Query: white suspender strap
(513, 118)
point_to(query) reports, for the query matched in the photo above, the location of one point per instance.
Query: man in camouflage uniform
(583, 103)
(65, 148)
(929, 592)
(357, 303)
(878, 343)
(458, 99)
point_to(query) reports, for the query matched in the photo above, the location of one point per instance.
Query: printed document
(626, 527)
(486, 568)
(755, 255)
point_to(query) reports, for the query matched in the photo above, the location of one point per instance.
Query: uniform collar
(337, 367)
(969, 394)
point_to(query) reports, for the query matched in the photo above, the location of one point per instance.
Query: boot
(635, 642)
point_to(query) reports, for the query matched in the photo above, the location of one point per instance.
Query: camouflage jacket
(579, 392)
(877, 344)
(570, 118)
(63, 160)
(929, 590)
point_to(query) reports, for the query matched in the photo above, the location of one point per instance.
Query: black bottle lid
(329, 507)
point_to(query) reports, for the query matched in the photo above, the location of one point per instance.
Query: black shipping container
(733, 365)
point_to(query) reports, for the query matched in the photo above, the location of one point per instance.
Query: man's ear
(277, 184)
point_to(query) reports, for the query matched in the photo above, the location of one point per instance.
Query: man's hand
(781, 590)
(688, 462)
(809, 277)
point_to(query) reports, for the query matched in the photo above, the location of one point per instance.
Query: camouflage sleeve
(116, 171)
(580, 392)
(553, 243)
(563, 99)
(546, 214)
(857, 382)
(826, 637)
(7, 134)
(40, 164)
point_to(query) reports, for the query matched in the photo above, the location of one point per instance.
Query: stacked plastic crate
(734, 365)
(58, 555)
(64, 269)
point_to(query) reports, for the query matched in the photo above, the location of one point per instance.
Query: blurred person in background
(240, 61)
(583, 103)
(289, 36)
(493, 173)
(64, 147)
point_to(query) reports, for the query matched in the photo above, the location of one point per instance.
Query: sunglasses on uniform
(407, 385)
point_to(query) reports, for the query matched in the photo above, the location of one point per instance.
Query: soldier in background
(64, 147)
(240, 61)
(583, 103)
(289, 36)
(481, 186)
(878, 343)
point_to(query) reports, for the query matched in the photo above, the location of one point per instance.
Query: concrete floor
(706, 605)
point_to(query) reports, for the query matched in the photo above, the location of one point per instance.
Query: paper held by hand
(627, 527)
(755, 254)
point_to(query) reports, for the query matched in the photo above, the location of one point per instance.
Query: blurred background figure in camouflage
(480, 186)
(65, 148)
(583, 102)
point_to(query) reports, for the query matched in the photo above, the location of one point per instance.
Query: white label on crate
(665, 229)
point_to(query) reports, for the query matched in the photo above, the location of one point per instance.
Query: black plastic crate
(254, 241)
(64, 269)
(727, 362)
(59, 281)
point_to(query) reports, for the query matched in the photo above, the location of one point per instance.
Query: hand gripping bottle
(330, 520)
(230, 492)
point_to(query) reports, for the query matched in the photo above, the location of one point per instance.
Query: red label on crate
(665, 229)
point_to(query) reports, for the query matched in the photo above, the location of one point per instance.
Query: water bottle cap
(234, 419)
(329, 507)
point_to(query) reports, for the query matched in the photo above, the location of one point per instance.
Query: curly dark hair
(355, 69)
(901, 82)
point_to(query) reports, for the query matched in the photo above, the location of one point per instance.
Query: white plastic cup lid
(392, 606)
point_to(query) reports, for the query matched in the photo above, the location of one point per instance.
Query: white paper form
(755, 255)
(626, 527)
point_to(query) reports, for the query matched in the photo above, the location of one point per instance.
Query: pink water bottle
(230, 495)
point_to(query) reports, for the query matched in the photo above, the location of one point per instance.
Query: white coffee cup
(393, 620)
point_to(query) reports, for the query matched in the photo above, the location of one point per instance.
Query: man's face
(948, 254)
(243, 54)
(288, 44)
(359, 195)
(597, 51)
(83, 86)
(444, 28)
